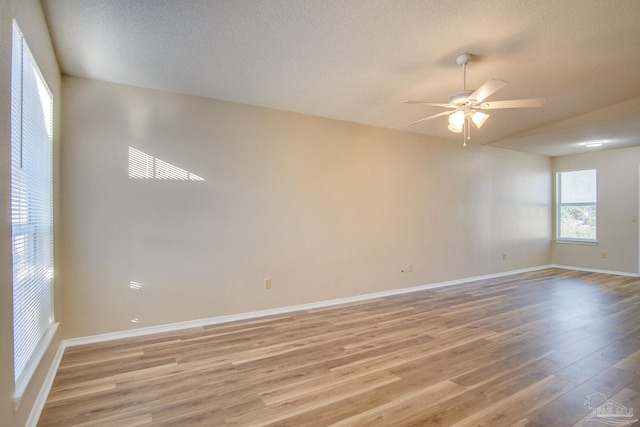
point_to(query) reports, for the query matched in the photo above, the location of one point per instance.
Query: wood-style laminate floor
(523, 350)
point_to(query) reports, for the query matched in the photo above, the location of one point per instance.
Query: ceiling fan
(466, 107)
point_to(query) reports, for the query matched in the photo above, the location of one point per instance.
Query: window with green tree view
(576, 206)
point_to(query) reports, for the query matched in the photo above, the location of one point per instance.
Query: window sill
(576, 242)
(30, 369)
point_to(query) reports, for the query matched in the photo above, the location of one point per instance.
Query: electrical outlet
(267, 283)
(409, 268)
(603, 255)
(504, 256)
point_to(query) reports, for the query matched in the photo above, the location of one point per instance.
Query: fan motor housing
(460, 98)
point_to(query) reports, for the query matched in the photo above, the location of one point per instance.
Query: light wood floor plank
(522, 350)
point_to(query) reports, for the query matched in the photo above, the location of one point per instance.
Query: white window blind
(577, 205)
(31, 205)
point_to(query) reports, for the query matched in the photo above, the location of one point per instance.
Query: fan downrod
(463, 60)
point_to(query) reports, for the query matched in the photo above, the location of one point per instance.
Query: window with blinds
(576, 206)
(31, 207)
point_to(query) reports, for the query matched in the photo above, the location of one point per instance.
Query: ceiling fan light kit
(464, 105)
(456, 121)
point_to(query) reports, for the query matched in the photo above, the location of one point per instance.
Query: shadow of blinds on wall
(31, 210)
(145, 166)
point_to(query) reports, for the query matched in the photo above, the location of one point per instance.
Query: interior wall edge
(596, 270)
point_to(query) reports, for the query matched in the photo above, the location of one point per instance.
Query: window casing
(31, 210)
(576, 206)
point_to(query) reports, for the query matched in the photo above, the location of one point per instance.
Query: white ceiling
(356, 60)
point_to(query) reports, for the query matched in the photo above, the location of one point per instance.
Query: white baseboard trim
(280, 310)
(595, 270)
(38, 405)
(46, 387)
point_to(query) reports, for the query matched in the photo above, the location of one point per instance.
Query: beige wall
(326, 209)
(29, 15)
(617, 203)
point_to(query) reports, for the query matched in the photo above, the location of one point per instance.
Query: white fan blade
(444, 113)
(429, 103)
(513, 103)
(489, 88)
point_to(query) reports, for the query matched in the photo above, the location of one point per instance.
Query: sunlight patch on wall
(134, 299)
(145, 166)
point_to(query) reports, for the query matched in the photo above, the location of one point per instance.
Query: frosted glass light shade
(455, 129)
(457, 119)
(479, 118)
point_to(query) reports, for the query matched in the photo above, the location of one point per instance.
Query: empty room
(319, 213)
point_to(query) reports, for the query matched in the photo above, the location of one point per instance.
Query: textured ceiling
(356, 60)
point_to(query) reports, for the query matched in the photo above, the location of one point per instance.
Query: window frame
(32, 199)
(559, 205)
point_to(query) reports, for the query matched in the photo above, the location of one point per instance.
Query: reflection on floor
(551, 347)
